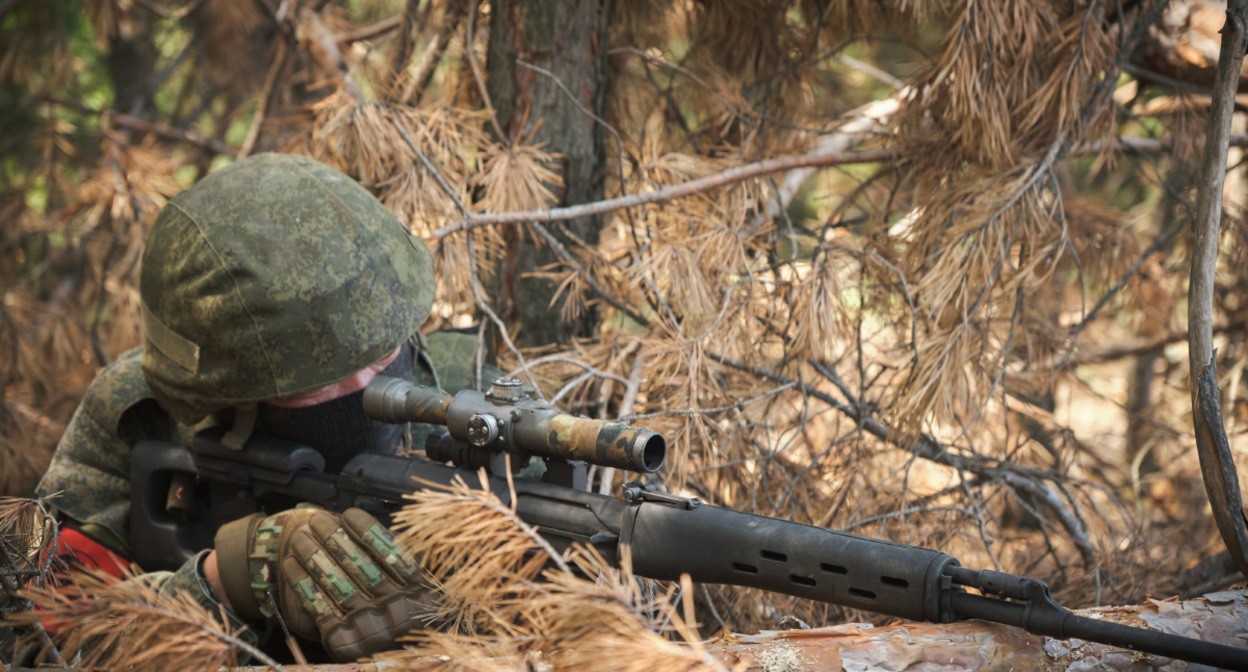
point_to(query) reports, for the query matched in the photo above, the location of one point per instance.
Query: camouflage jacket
(88, 480)
(89, 476)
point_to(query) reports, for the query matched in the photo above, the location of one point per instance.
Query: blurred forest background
(911, 269)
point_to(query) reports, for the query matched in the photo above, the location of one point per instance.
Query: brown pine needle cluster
(27, 549)
(108, 623)
(511, 601)
(475, 548)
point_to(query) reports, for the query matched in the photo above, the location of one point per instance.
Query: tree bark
(568, 39)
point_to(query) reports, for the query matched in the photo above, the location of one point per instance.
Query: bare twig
(1216, 463)
(170, 133)
(908, 511)
(1149, 145)
(262, 103)
(736, 174)
(861, 123)
(647, 56)
(479, 297)
(474, 272)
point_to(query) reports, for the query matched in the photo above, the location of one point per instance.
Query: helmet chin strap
(244, 424)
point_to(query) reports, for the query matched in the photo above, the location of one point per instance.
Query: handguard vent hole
(833, 569)
(773, 555)
(864, 594)
(894, 582)
(802, 580)
(742, 567)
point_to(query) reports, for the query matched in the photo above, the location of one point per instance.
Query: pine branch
(1019, 478)
(740, 173)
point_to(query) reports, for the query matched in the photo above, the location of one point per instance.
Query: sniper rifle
(182, 494)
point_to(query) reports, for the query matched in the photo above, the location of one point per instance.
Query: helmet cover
(274, 276)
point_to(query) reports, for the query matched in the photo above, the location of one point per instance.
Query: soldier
(272, 292)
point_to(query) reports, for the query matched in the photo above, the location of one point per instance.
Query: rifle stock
(665, 536)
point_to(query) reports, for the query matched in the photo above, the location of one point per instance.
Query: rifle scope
(509, 418)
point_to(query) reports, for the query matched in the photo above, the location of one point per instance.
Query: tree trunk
(568, 39)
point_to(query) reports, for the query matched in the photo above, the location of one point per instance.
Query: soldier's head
(273, 279)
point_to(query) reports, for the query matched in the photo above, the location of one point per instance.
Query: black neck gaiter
(338, 428)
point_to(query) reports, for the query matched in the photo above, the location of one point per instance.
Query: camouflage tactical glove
(335, 578)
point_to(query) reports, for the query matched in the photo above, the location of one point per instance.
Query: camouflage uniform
(89, 477)
(269, 278)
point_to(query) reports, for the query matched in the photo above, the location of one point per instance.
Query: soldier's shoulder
(116, 389)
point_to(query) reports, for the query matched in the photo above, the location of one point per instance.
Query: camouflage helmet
(274, 276)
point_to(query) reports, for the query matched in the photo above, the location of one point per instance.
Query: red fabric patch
(75, 552)
(78, 551)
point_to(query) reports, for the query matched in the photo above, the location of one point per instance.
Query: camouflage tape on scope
(395, 400)
(610, 444)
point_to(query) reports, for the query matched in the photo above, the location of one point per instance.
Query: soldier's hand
(339, 579)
